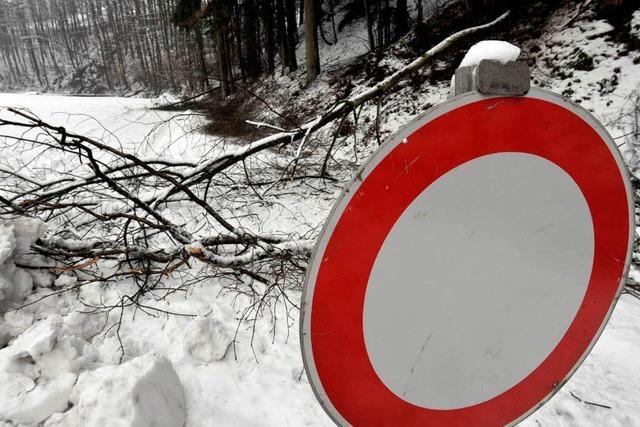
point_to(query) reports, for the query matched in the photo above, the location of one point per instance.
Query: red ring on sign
(490, 126)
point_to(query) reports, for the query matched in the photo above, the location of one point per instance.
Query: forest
(185, 46)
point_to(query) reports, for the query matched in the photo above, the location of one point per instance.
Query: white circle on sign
(431, 337)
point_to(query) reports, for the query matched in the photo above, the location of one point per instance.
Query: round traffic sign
(468, 269)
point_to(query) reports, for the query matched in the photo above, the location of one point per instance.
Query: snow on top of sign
(495, 50)
(635, 24)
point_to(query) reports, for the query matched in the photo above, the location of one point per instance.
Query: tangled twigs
(101, 208)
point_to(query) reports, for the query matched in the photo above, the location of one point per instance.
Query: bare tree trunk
(311, 40)
(251, 39)
(281, 34)
(292, 33)
(203, 63)
(401, 18)
(367, 12)
(301, 9)
(270, 45)
(223, 62)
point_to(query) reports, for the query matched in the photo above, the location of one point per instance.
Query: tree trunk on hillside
(332, 12)
(401, 18)
(269, 30)
(367, 12)
(223, 62)
(281, 34)
(301, 14)
(292, 33)
(380, 32)
(237, 32)
(311, 39)
(251, 39)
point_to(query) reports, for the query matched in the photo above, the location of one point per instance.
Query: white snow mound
(495, 50)
(36, 372)
(635, 24)
(38, 403)
(206, 340)
(7, 242)
(16, 238)
(143, 392)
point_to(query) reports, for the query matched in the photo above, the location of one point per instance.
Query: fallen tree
(147, 244)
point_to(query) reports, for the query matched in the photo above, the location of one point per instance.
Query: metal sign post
(469, 268)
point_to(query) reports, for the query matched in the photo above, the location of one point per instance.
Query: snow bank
(29, 394)
(48, 374)
(48, 397)
(495, 50)
(38, 369)
(206, 340)
(16, 237)
(145, 391)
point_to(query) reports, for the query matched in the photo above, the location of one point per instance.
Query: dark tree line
(124, 42)
(180, 45)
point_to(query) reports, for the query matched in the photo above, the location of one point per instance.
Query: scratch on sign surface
(415, 363)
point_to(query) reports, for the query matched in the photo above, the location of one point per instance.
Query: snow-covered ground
(61, 362)
(125, 122)
(62, 366)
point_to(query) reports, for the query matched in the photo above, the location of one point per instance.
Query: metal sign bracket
(493, 78)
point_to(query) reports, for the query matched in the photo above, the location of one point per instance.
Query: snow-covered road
(130, 123)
